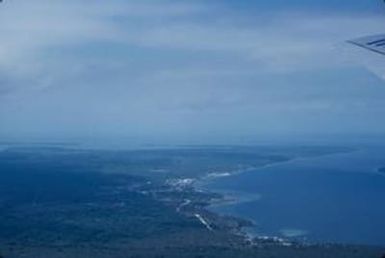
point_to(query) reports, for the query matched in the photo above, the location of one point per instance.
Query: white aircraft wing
(374, 43)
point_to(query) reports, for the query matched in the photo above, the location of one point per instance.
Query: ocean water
(338, 198)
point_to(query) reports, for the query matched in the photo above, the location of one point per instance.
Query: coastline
(234, 225)
(172, 205)
(240, 226)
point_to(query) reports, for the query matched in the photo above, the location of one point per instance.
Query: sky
(188, 71)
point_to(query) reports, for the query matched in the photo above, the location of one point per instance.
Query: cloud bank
(192, 69)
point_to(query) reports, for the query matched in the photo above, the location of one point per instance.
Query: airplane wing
(374, 43)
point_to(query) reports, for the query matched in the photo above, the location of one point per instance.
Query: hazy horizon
(214, 72)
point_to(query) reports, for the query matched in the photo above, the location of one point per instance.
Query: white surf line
(272, 164)
(203, 221)
(185, 203)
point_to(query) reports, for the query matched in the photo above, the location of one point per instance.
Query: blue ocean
(338, 198)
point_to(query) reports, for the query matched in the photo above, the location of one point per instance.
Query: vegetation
(69, 203)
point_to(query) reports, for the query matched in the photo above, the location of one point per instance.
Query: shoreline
(241, 226)
(162, 213)
(234, 225)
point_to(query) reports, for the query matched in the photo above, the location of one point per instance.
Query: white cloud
(129, 63)
(31, 28)
(286, 42)
(283, 43)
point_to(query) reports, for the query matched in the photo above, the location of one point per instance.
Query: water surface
(335, 198)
